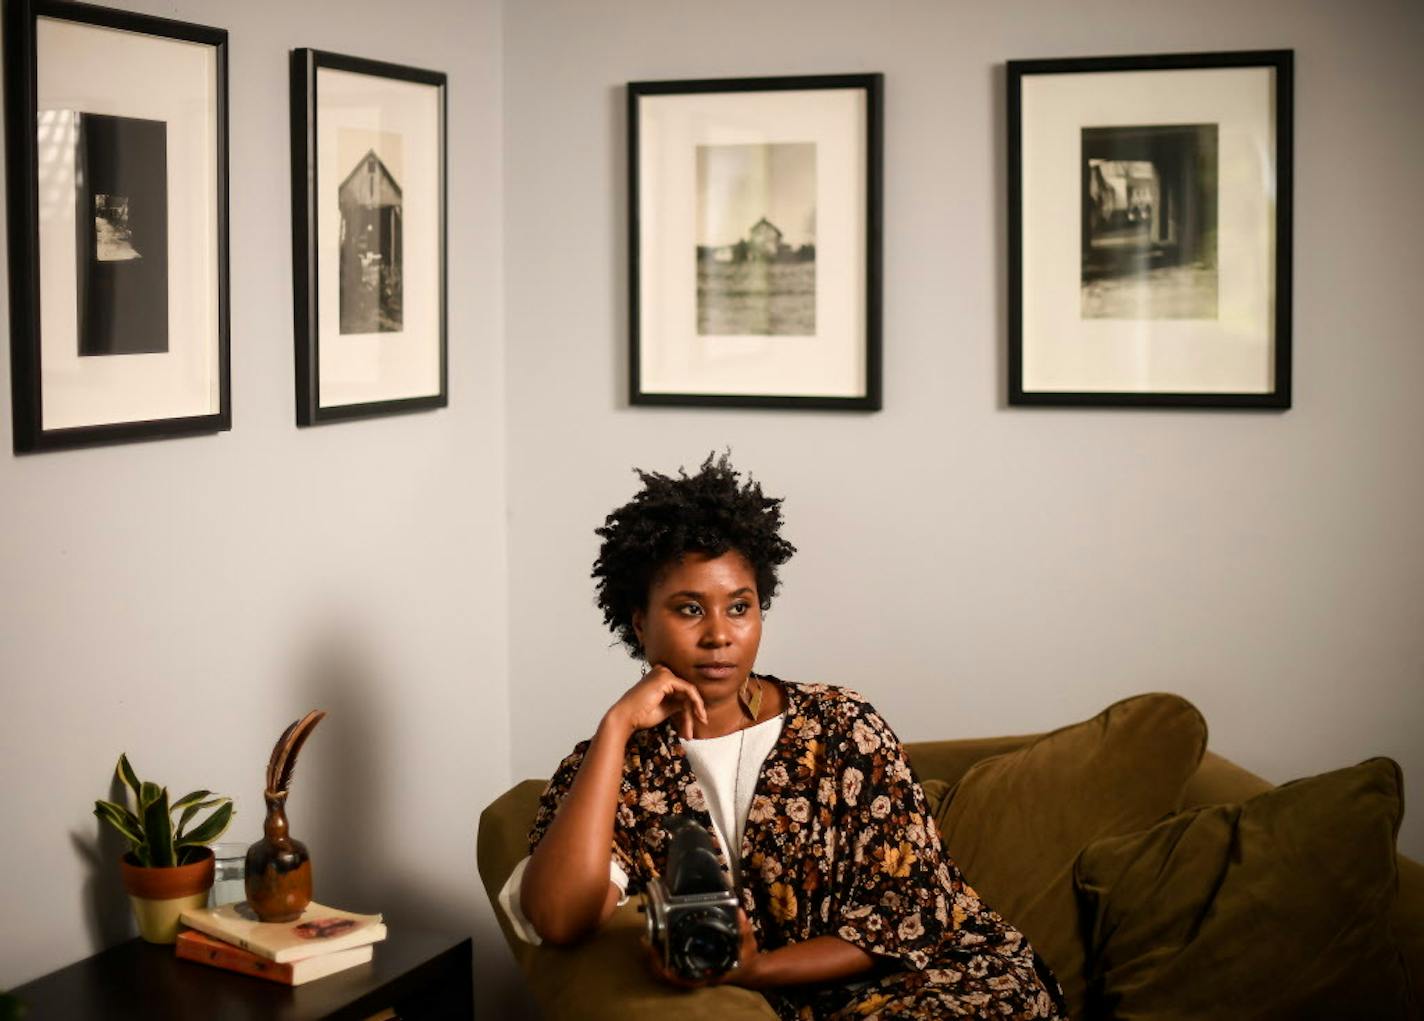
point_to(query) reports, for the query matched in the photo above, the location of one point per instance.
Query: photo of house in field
(756, 250)
(763, 243)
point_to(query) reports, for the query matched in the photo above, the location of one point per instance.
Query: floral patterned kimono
(839, 841)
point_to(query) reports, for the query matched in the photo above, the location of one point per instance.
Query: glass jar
(229, 869)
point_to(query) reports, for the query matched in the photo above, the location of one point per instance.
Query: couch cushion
(1274, 908)
(1015, 823)
(936, 794)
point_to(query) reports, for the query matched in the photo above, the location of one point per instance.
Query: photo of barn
(371, 235)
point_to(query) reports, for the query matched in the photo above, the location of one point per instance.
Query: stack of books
(321, 942)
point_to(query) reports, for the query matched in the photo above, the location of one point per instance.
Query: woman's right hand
(659, 694)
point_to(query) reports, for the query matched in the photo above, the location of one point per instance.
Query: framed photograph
(368, 237)
(754, 241)
(116, 166)
(1150, 230)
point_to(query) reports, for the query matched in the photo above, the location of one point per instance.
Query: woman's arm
(822, 959)
(566, 893)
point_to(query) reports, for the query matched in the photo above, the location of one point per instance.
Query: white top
(727, 768)
(727, 790)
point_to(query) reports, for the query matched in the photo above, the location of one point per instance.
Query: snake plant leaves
(190, 804)
(150, 831)
(211, 828)
(158, 826)
(128, 776)
(148, 794)
(188, 799)
(193, 810)
(122, 820)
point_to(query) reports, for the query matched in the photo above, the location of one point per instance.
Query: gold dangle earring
(749, 698)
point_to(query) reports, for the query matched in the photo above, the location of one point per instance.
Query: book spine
(235, 960)
(197, 920)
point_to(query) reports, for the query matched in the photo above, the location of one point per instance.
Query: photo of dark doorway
(1149, 196)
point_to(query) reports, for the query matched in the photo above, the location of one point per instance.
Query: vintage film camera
(691, 909)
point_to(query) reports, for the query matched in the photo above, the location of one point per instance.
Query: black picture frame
(365, 306)
(123, 269)
(863, 281)
(1120, 261)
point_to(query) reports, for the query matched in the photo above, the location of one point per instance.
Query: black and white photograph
(119, 259)
(370, 202)
(1150, 205)
(1149, 222)
(121, 173)
(755, 242)
(756, 239)
(368, 237)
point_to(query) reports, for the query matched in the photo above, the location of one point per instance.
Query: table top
(141, 980)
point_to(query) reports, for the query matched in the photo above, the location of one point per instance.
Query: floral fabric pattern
(839, 842)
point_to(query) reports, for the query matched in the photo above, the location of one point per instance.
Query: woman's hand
(745, 974)
(660, 694)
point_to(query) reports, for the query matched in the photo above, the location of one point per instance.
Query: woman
(850, 906)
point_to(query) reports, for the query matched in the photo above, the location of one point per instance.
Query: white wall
(977, 569)
(184, 600)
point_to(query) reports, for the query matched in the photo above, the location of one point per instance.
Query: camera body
(691, 909)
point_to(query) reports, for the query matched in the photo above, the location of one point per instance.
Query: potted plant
(168, 868)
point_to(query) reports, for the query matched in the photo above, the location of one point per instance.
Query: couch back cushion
(1278, 907)
(1016, 822)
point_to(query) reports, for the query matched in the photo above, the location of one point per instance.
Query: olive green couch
(604, 979)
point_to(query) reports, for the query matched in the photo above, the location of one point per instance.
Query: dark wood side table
(421, 976)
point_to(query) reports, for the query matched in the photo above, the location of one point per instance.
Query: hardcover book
(319, 930)
(193, 945)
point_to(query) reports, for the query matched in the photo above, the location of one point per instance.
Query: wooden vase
(278, 876)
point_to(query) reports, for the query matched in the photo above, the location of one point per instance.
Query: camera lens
(703, 944)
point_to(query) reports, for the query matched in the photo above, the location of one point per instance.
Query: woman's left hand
(738, 976)
(743, 973)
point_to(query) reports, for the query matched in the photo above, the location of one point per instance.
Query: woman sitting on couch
(850, 905)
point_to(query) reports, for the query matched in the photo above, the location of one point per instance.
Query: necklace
(738, 819)
(751, 705)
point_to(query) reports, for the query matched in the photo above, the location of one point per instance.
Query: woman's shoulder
(828, 701)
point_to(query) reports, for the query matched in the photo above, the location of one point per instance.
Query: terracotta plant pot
(159, 894)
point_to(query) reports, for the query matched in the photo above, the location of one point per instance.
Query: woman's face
(703, 622)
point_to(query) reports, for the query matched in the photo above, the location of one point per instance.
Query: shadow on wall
(349, 805)
(341, 807)
(107, 917)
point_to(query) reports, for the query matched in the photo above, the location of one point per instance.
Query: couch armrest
(604, 978)
(502, 842)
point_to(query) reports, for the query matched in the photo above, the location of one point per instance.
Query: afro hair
(712, 512)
